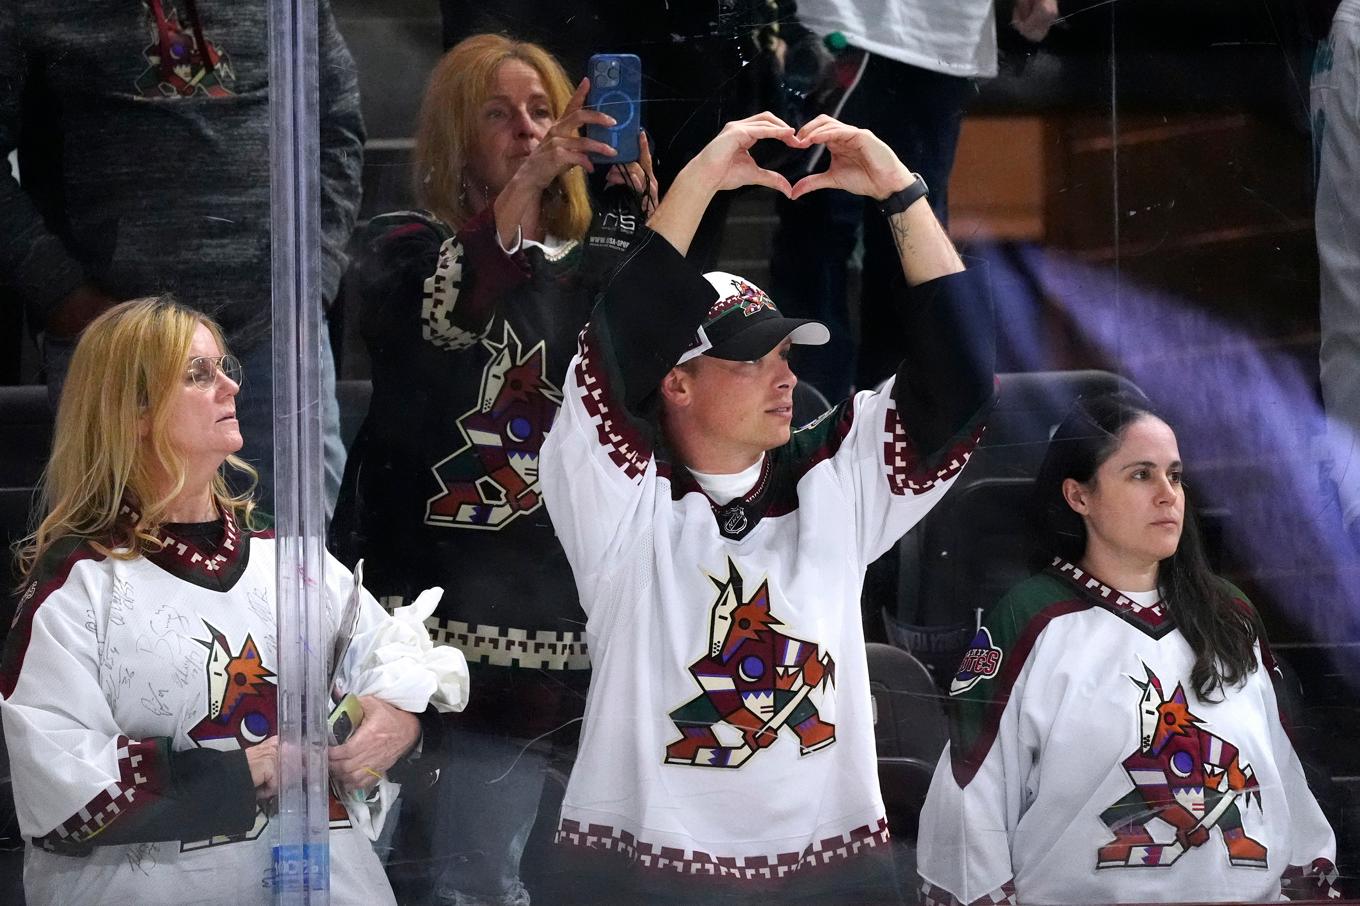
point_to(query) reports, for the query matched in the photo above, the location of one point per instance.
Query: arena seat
(909, 731)
(25, 434)
(975, 543)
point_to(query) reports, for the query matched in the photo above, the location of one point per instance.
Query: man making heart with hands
(719, 553)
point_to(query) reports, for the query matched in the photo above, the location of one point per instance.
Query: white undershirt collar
(1142, 598)
(724, 488)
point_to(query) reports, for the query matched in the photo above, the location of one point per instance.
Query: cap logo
(749, 300)
(752, 299)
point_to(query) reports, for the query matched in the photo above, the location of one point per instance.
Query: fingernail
(612, 121)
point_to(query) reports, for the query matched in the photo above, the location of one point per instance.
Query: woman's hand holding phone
(562, 147)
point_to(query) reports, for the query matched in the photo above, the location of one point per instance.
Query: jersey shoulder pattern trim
(907, 471)
(616, 431)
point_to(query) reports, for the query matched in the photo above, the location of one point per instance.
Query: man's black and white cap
(743, 325)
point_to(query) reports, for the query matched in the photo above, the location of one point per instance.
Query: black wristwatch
(899, 201)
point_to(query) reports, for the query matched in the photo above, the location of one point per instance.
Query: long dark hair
(1220, 632)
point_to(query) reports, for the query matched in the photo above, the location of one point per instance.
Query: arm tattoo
(897, 224)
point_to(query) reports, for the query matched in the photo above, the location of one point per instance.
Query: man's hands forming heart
(860, 162)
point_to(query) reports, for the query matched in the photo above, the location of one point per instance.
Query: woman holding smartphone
(471, 309)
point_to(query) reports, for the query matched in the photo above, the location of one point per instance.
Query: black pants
(917, 113)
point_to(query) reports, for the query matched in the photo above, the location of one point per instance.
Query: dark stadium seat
(25, 434)
(909, 729)
(975, 543)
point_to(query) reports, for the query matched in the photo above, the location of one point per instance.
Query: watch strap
(902, 199)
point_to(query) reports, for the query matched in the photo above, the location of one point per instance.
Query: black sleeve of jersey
(947, 377)
(207, 793)
(649, 313)
(398, 253)
(419, 768)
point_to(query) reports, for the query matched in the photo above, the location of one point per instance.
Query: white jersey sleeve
(79, 778)
(1311, 873)
(972, 810)
(896, 450)
(599, 473)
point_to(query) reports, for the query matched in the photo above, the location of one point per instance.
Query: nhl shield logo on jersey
(982, 661)
(1185, 779)
(755, 680)
(493, 477)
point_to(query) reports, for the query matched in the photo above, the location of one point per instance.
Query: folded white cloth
(397, 662)
(392, 658)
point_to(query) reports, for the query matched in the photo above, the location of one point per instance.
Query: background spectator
(145, 163)
(471, 310)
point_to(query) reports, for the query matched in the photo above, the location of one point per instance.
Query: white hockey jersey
(728, 730)
(1083, 769)
(128, 687)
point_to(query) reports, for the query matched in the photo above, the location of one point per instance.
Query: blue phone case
(616, 89)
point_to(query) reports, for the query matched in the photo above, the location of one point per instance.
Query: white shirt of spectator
(955, 37)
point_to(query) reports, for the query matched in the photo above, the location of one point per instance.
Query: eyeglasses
(203, 370)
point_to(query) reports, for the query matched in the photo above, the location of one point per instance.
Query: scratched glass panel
(1162, 197)
(1138, 180)
(144, 679)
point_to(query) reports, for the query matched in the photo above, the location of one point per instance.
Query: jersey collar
(215, 570)
(1153, 619)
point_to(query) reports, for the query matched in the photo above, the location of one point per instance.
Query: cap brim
(758, 339)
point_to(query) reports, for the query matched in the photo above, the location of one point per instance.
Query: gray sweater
(145, 160)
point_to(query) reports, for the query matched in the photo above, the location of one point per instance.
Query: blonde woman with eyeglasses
(138, 685)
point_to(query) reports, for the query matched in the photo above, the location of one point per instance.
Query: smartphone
(344, 719)
(616, 89)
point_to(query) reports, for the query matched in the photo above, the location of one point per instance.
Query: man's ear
(677, 387)
(1074, 492)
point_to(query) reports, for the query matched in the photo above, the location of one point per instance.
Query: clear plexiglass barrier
(733, 451)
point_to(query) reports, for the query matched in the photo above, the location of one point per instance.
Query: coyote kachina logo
(756, 681)
(242, 710)
(1188, 778)
(181, 61)
(493, 477)
(752, 299)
